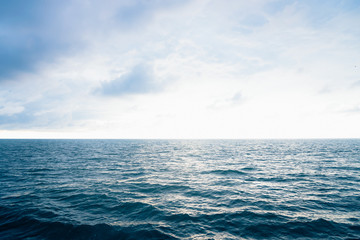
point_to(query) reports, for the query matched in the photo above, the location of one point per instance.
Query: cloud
(73, 62)
(134, 13)
(41, 104)
(254, 21)
(353, 110)
(355, 84)
(10, 109)
(325, 90)
(32, 115)
(30, 33)
(233, 101)
(237, 98)
(33, 33)
(140, 79)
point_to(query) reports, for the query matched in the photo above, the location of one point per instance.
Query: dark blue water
(149, 189)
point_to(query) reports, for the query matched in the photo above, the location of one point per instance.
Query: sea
(180, 189)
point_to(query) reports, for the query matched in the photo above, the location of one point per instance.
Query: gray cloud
(35, 105)
(325, 90)
(32, 32)
(355, 84)
(354, 110)
(37, 114)
(35, 32)
(135, 13)
(254, 21)
(140, 79)
(236, 99)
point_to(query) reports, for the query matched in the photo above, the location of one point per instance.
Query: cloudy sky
(179, 69)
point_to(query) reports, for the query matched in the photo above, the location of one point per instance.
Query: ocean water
(179, 189)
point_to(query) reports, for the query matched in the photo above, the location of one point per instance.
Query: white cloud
(237, 69)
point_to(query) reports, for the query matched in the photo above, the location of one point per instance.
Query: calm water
(149, 189)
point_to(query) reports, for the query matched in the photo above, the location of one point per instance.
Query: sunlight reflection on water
(184, 189)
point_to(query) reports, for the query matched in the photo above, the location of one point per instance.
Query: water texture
(180, 189)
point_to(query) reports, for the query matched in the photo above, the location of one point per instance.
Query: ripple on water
(179, 189)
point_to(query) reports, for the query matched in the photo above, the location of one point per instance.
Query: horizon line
(278, 138)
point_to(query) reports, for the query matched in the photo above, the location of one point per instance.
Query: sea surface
(179, 189)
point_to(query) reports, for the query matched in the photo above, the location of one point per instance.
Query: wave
(245, 224)
(179, 190)
(30, 228)
(13, 226)
(228, 172)
(316, 229)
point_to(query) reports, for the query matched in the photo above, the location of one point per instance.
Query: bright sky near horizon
(180, 69)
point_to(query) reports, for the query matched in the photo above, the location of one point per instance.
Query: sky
(179, 69)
